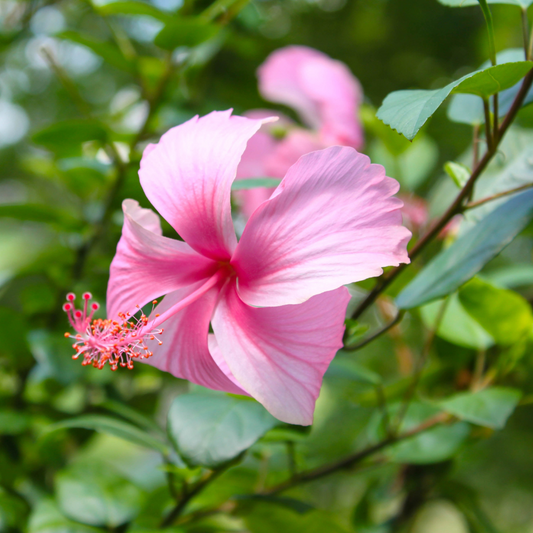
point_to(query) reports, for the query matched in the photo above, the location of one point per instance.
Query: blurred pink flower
(326, 96)
(275, 299)
(415, 212)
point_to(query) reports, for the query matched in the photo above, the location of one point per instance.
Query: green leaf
(13, 512)
(106, 50)
(432, 446)
(266, 518)
(133, 8)
(289, 503)
(254, 183)
(469, 253)
(185, 32)
(349, 369)
(456, 325)
(46, 518)
(504, 314)
(211, 429)
(42, 213)
(407, 111)
(466, 3)
(489, 407)
(113, 426)
(71, 133)
(458, 172)
(13, 423)
(94, 494)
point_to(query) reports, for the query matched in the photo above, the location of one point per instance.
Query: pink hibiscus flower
(275, 299)
(326, 96)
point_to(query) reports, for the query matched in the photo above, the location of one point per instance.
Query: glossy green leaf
(112, 426)
(456, 325)
(469, 253)
(407, 111)
(466, 3)
(106, 50)
(254, 183)
(133, 8)
(47, 518)
(185, 32)
(94, 494)
(70, 133)
(211, 429)
(489, 407)
(504, 314)
(42, 213)
(458, 172)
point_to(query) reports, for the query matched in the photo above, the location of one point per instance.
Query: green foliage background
(83, 88)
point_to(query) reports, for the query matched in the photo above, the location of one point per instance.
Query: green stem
(525, 32)
(490, 27)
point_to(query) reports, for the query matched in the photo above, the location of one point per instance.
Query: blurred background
(78, 77)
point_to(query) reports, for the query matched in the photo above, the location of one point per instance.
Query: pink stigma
(102, 341)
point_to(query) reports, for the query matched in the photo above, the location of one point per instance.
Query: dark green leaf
(211, 429)
(504, 314)
(254, 183)
(93, 494)
(13, 512)
(469, 253)
(106, 50)
(71, 133)
(112, 426)
(489, 407)
(185, 32)
(13, 422)
(42, 213)
(407, 111)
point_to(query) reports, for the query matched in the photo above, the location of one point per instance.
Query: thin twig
(356, 458)
(477, 203)
(375, 335)
(455, 208)
(488, 128)
(410, 393)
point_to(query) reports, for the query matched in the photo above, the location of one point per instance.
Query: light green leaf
(469, 253)
(185, 32)
(456, 325)
(518, 275)
(407, 111)
(466, 3)
(211, 429)
(458, 172)
(254, 183)
(133, 8)
(94, 494)
(489, 407)
(106, 50)
(46, 518)
(504, 314)
(113, 426)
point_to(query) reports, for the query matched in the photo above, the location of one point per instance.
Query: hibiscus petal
(148, 265)
(184, 352)
(280, 354)
(322, 90)
(330, 222)
(188, 176)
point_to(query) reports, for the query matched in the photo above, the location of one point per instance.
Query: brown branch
(457, 205)
(477, 203)
(352, 460)
(377, 334)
